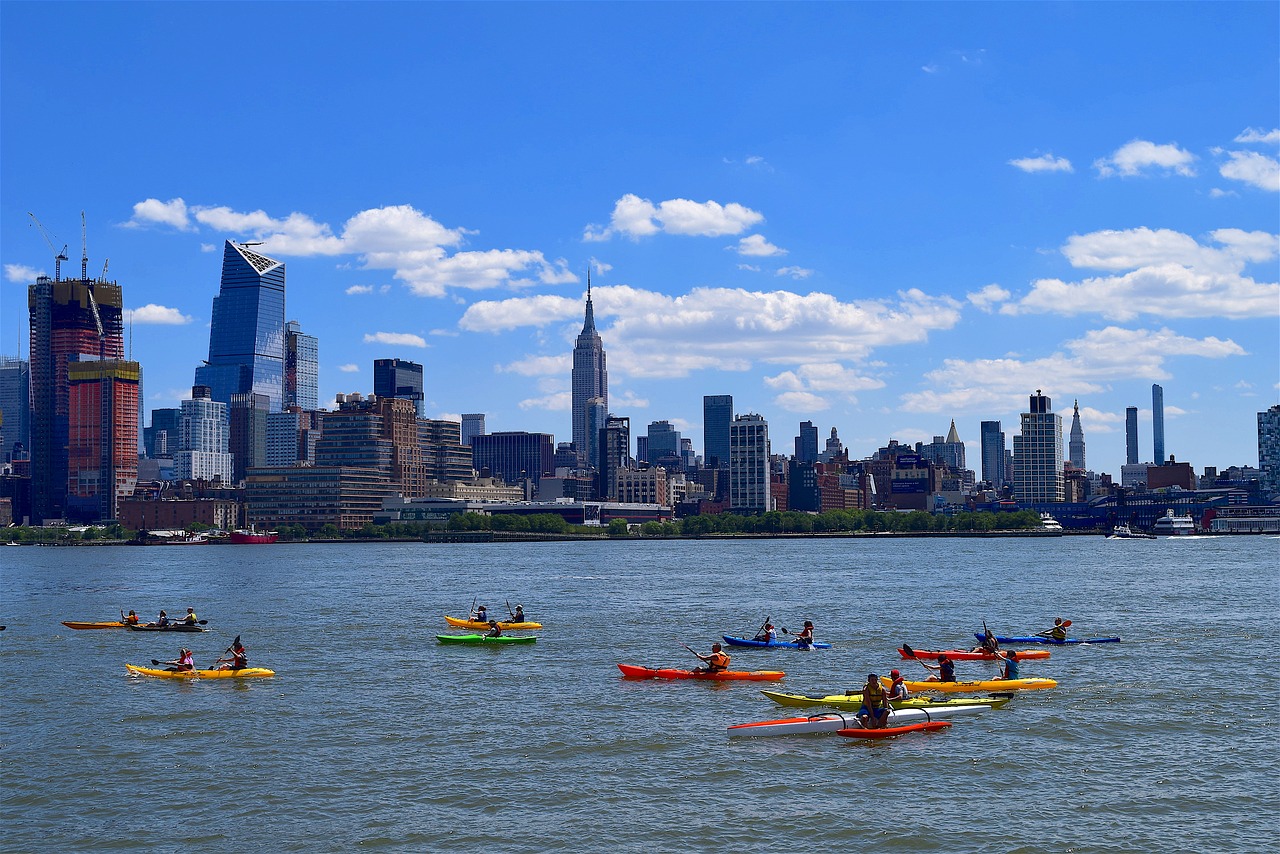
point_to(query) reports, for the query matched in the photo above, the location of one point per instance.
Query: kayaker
(481, 615)
(190, 619)
(495, 630)
(239, 657)
(768, 634)
(717, 661)
(162, 620)
(517, 616)
(131, 620)
(184, 661)
(805, 636)
(874, 712)
(898, 690)
(1058, 632)
(1010, 666)
(945, 667)
(987, 644)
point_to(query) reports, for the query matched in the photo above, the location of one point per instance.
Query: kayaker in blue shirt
(874, 712)
(481, 615)
(518, 615)
(1010, 665)
(946, 670)
(898, 690)
(162, 620)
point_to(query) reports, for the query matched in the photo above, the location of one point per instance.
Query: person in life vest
(874, 712)
(717, 661)
(190, 619)
(495, 631)
(1059, 631)
(481, 615)
(162, 620)
(768, 634)
(184, 661)
(898, 690)
(131, 620)
(945, 667)
(1010, 666)
(987, 644)
(239, 657)
(805, 636)
(517, 616)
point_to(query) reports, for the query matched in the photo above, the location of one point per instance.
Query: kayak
(732, 641)
(242, 673)
(106, 624)
(1039, 639)
(1030, 684)
(485, 640)
(476, 624)
(963, 655)
(632, 671)
(891, 731)
(853, 702)
(172, 627)
(834, 721)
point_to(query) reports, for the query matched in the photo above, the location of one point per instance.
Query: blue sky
(878, 217)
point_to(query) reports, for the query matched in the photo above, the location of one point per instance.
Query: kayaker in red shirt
(898, 690)
(717, 661)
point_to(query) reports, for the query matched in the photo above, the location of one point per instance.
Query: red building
(102, 437)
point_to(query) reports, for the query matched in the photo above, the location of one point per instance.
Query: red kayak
(633, 671)
(964, 655)
(890, 732)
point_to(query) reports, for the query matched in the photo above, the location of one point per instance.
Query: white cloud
(208, 247)
(757, 246)
(537, 366)
(1102, 356)
(801, 402)
(21, 273)
(1043, 163)
(794, 272)
(1252, 168)
(724, 328)
(157, 315)
(560, 401)
(399, 339)
(600, 266)
(1138, 155)
(986, 298)
(819, 382)
(751, 268)
(360, 289)
(635, 217)
(1169, 274)
(628, 400)
(349, 369)
(1259, 135)
(172, 213)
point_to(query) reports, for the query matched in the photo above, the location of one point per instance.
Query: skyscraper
(615, 456)
(15, 406)
(807, 443)
(472, 425)
(1157, 424)
(301, 368)
(161, 438)
(400, 379)
(246, 334)
(72, 320)
(717, 415)
(1269, 450)
(102, 437)
(514, 456)
(1075, 449)
(247, 433)
(993, 454)
(590, 380)
(749, 464)
(1131, 435)
(663, 446)
(203, 445)
(1037, 453)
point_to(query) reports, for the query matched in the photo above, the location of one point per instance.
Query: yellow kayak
(980, 685)
(477, 625)
(106, 624)
(242, 673)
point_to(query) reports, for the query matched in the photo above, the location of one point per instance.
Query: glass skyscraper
(301, 368)
(246, 335)
(717, 415)
(1157, 424)
(993, 454)
(1131, 435)
(400, 379)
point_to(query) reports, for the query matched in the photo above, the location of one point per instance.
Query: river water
(374, 737)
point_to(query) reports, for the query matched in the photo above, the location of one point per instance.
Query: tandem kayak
(1039, 639)
(633, 671)
(962, 655)
(172, 627)
(732, 641)
(834, 721)
(479, 626)
(486, 640)
(1030, 684)
(891, 731)
(242, 673)
(106, 624)
(853, 702)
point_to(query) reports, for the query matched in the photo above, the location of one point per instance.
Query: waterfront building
(443, 453)
(807, 443)
(1131, 435)
(102, 437)
(1075, 448)
(749, 481)
(645, 486)
(1038, 452)
(315, 496)
(162, 437)
(1134, 475)
(375, 433)
(398, 378)
(72, 320)
(472, 425)
(993, 454)
(590, 381)
(717, 415)
(176, 514)
(246, 333)
(247, 432)
(1269, 450)
(615, 456)
(15, 407)
(1157, 423)
(663, 447)
(514, 456)
(204, 439)
(301, 368)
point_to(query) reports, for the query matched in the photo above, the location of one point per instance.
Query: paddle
(911, 653)
(1065, 624)
(691, 649)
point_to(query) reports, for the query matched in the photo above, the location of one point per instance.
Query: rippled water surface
(373, 736)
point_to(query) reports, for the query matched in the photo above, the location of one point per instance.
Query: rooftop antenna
(84, 249)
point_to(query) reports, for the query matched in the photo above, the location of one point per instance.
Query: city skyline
(875, 218)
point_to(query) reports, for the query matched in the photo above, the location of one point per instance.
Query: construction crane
(105, 262)
(84, 249)
(58, 257)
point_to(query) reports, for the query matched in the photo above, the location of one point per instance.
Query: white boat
(1124, 532)
(1048, 523)
(835, 721)
(1170, 525)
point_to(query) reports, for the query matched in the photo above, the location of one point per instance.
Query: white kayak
(847, 720)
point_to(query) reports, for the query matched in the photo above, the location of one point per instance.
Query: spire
(953, 437)
(589, 324)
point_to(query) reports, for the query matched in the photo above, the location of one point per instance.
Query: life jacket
(947, 671)
(186, 661)
(718, 661)
(873, 696)
(190, 619)
(898, 689)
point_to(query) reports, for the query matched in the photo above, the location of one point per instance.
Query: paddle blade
(1066, 623)
(911, 653)
(236, 641)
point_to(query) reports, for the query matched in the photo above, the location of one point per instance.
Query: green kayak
(854, 701)
(481, 639)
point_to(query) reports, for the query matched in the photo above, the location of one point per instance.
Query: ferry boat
(1170, 525)
(254, 536)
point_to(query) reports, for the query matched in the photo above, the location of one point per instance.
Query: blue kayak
(1039, 639)
(732, 641)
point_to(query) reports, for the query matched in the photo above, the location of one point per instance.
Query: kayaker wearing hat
(517, 616)
(184, 661)
(875, 704)
(162, 620)
(898, 690)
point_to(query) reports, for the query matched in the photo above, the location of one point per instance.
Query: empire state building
(590, 384)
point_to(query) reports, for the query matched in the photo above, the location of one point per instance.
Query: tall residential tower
(1037, 454)
(1157, 424)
